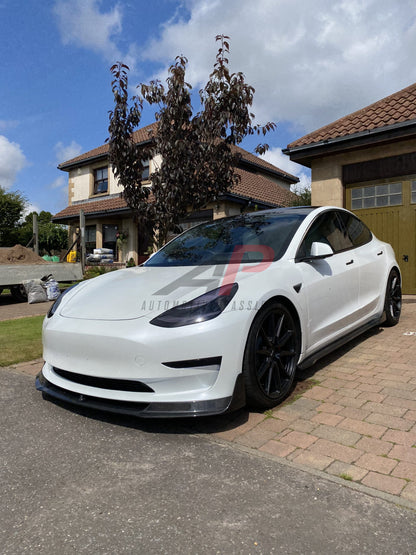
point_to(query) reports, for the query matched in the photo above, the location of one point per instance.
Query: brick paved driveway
(355, 416)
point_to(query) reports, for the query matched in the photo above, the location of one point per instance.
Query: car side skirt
(314, 357)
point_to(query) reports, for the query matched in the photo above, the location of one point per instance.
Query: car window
(356, 229)
(328, 228)
(259, 237)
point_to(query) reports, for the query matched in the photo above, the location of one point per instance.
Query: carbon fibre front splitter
(142, 410)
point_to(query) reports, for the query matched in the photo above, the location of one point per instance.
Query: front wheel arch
(268, 375)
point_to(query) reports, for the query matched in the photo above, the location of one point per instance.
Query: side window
(328, 228)
(357, 230)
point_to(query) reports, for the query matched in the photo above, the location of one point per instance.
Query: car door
(330, 285)
(371, 256)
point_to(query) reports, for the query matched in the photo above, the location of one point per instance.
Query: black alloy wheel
(271, 356)
(393, 302)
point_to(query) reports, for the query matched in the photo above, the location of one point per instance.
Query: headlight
(203, 308)
(58, 301)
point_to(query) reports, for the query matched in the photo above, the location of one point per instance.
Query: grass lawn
(20, 340)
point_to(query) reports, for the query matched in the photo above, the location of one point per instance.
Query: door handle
(350, 262)
(405, 258)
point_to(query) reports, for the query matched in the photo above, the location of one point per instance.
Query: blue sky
(309, 61)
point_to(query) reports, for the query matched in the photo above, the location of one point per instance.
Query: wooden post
(82, 233)
(35, 234)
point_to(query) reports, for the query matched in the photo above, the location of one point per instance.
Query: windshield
(257, 237)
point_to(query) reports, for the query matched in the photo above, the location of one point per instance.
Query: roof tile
(398, 107)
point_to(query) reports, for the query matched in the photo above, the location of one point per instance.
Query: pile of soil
(19, 255)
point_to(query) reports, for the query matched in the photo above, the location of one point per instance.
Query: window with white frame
(376, 196)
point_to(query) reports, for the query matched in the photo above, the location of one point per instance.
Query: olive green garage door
(388, 207)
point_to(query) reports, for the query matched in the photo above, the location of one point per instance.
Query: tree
(304, 196)
(52, 237)
(198, 162)
(12, 205)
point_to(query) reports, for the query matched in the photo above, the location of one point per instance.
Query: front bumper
(147, 410)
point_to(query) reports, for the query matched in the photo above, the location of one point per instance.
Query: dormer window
(100, 181)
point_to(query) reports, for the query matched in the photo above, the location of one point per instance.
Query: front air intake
(104, 383)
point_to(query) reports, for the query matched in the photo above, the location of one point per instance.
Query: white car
(221, 316)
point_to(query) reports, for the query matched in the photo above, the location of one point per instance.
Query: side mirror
(320, 250)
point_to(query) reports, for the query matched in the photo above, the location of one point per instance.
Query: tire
(271, 356)
(393, 302)
(18, 293)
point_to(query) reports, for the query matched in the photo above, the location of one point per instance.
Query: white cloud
(275, 156)
(310, 62)
(67, 152)
(83, 23)
(58, 183)
(30, 208)
(12, 160)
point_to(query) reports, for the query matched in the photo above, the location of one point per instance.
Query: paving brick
(403, 438)
(318, 393)
(351, 402)
(403, 453)
(303, 405)
(383, 465)
(384, 409)
(399, 382)
(356, 414)
(338, 468)
(302, 425)
(327, 418)
(388, 484)
(374, 446)
(335, 450)
(313, 459)
(369, 381)
(253, 419)
(373, 388)
(362, 428)
(338, 435)
(286, 414)
(299, 439)
(340, 373)
(330, 408)
(399, 393)
(273, 425)
(397, 402)
(255, 438)
(277, 448)
(335, 383)
(371, 396)
(405, 470)
(389, 421)
(410, 415)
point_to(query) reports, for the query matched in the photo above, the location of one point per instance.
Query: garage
(366, 162)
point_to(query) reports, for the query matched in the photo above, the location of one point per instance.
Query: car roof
(287, 210)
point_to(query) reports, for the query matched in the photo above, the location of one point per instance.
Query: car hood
(142, 291)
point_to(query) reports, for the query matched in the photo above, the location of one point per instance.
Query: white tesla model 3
(221, 316)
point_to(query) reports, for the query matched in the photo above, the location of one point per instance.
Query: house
(93, 188)
(366, 162)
